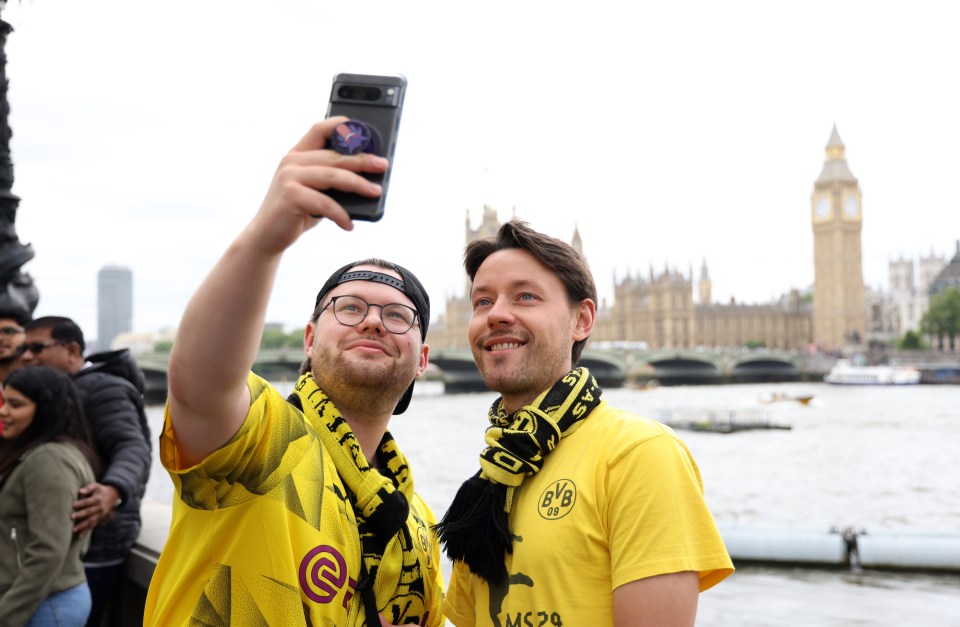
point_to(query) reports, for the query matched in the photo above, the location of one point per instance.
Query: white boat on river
(844, 372)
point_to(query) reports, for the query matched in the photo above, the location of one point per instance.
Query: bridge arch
(607, 367)
(764, 367)
(460, 373)
(684, 369)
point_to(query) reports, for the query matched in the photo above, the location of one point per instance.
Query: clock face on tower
(850, 207)
(823, 208)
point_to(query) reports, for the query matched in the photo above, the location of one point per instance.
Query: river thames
(876, 458)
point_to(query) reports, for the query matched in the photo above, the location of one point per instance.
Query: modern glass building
(114, 304)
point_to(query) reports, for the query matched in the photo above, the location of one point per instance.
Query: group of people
(301, 510)
(75, 454)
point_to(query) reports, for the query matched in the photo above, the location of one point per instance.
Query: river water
(877, 458)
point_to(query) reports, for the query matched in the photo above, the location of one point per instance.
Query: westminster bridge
(613, 367)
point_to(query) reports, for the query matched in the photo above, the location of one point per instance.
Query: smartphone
(377, 102)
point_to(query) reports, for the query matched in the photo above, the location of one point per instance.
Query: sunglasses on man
(38, 347)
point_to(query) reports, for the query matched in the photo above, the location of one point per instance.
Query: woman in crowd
(46, 455)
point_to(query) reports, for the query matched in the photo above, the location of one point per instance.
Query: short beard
(529, 378)
(359, 387)
(6, 361)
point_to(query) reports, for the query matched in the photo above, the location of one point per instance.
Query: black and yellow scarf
(475, 528)
(391, 582)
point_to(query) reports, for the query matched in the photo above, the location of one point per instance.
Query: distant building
(839, 306)
(948, 277)
(884, 324)
(658, 308)
(909, 293)
(450, 329)
(785, 324)
(656, 311)
(114, 304)
(139, 343)
(705, 286)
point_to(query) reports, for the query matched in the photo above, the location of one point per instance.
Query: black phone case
(384, 116)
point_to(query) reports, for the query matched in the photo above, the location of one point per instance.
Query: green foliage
(754, 344)
(296, 337)
(274, 338)
(942, 320)
(911, 341)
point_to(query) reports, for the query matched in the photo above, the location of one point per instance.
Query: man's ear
(308, 336)
(586, 317)
(424, 359)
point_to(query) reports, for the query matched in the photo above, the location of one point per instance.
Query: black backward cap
(410, 285)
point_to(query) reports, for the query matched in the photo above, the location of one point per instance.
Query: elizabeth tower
(839, 310)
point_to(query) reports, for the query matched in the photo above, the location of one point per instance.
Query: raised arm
(219, 333)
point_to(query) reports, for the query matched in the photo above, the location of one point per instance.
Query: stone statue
(17, 291)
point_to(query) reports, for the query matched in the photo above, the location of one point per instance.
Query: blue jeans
(67, 608)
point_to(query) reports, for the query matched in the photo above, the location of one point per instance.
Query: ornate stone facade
(909, 294)
(949, 276)
(839, 307)
(450, 328)
(657, 309)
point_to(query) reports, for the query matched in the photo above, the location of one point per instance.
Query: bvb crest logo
(558, 499)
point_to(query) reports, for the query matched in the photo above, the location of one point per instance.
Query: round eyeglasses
(352, 310)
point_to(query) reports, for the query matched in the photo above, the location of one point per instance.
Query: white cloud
(146, 134)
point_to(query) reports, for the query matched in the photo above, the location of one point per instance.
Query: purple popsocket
(353, 137)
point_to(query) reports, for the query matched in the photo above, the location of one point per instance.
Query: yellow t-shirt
(263, 533)
(620, 499)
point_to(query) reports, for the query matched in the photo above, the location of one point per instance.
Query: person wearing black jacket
(111, 388)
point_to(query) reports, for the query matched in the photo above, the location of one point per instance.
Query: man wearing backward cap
(298, 510)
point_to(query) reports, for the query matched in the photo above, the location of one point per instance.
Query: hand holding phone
(373, 104)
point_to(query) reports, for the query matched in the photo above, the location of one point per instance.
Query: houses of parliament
(658, 308)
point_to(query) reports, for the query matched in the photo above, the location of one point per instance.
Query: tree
(274, 338)
(911, 341)
(942, 320)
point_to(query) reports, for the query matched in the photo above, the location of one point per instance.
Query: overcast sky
(669, 133)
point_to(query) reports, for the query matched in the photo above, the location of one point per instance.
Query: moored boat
(776, 397)
(844, 372)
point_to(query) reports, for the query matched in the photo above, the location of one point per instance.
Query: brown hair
(558, 256)
(58, 417)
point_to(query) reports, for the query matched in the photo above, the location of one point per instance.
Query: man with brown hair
(581, 513)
